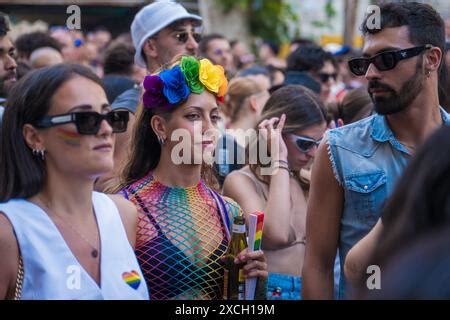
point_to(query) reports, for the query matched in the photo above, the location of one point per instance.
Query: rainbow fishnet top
(180, 239)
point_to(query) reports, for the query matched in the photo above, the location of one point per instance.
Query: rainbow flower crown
(174, 85)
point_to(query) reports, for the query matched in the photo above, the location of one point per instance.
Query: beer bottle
(234, 281)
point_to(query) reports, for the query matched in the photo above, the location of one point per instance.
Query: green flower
(191, 69)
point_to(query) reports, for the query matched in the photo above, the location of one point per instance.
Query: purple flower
(175, 87)
(153, 96)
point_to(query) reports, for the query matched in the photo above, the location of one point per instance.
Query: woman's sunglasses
(183, 36)
(304, 144)
(88, 122)
(325, 77)
(384, 61)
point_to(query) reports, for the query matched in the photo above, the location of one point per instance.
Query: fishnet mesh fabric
(180, 240)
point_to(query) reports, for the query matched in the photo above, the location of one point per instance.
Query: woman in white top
(58, 238)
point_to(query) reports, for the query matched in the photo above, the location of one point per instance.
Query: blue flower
(175, 86)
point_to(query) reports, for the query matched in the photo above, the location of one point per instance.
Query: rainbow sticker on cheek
(69, 137)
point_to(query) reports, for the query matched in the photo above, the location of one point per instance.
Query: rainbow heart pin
(133, 279)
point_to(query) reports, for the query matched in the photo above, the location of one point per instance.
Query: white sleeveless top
(51, 271)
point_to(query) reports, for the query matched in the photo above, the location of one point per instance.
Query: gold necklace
(94, 252)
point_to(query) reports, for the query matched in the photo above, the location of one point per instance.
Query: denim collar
(381, 131)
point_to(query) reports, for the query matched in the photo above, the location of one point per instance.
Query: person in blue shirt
(357, 166)
(407, 244)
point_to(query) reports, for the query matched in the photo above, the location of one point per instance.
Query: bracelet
(283, 167)
(281, 161)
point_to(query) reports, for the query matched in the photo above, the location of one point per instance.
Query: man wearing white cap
(163, 30)
(160, 31)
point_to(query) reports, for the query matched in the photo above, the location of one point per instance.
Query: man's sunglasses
(325, 77)
(304, 144)
(384, 61)
(88, 122)
(183, 36)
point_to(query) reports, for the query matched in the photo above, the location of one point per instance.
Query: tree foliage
(330, 13)
(266, 19)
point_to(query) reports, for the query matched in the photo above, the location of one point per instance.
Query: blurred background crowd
(279, 40)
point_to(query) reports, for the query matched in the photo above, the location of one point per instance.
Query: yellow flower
(211, 75)
(223, 87)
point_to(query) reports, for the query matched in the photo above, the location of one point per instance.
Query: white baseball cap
(151, 19)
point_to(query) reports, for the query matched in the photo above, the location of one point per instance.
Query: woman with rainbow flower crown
(184, 225)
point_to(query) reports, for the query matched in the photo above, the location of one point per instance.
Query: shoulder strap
(149, 215)
(223, 212)
(19, 280)
(125, 194)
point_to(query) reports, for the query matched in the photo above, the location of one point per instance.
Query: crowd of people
(123, 161)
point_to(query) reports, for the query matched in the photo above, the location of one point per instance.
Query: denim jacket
(367, 161)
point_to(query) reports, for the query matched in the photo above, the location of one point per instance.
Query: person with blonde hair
(44, 57)
(244, 102)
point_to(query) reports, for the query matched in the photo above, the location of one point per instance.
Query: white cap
(151, 19)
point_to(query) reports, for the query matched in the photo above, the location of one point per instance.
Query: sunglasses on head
(183, 36)
(324, 77)
(88, 122)
(305, 144)
(384, 61)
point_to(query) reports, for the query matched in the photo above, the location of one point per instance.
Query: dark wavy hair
(21, 173)
(28, 42)
(424, 23)
(119, 59)
(4, 25)
(309, 57)
(145, 148)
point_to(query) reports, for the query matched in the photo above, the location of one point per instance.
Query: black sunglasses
(324, 77)
(88, 122)
(183, 36)
(304, 144)
(384, 61)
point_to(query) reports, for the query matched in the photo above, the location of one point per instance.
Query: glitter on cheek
(69, 137)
